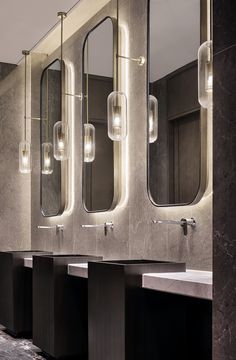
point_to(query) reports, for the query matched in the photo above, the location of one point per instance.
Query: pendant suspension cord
(25, 53)
(87, 83)
(47, 109)
(62, 15)
(208, 20)
(117, 47)
(25, 97)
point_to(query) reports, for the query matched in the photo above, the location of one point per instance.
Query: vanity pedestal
(118, 325)
(60, 313)
(16, 292)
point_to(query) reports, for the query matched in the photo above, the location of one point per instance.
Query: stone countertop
(79, 270)
(194, 283)
(28, 262)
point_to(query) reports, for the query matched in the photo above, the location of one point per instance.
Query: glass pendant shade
(152, 119)
(117, 116)
(25, 157)
(205, 73)
(89, 142)
(47, 158)
(61, 141)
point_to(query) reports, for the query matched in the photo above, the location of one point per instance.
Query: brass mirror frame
(116, 145)
(63, 163)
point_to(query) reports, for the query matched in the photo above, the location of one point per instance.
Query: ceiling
(24, 22)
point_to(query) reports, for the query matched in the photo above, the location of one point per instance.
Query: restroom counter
(28, 262)
(194, 283)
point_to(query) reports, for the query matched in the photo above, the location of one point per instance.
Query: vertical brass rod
(25, 53)
(87, 84)
(62, 15)
(117, 48)
(25, 104)
(47, 110)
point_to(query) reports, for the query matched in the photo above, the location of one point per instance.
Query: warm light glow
(47, 159)
(89, 143)
(152, 119)
(25, 157)
(61, 141)
(117, 116)
(205, 74)
(209, 85)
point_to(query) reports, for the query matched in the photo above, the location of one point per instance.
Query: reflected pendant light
(25, 146)
(60, 129)
(152, 119)
(47, 148)
(205, 73)
(89, 129)
(47, 158)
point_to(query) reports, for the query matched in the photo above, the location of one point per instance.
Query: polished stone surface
(192, 283)
(17, 348)
(224, 205)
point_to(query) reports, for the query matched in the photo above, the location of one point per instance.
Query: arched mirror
(176, 121)
(98, 78)
(51, 185)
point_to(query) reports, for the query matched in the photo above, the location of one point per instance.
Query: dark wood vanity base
(16, 292)
(116, 307)
(60, 327)
(127, 322)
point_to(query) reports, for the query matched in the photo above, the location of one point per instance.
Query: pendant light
(47, 148)
(117, 103)
(152, 119)
(205, 73)
(89, 129)
(25, 146)
(60, 129)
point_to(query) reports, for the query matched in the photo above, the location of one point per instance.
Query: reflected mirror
(51, 193)
(174, 117)
(98, 169)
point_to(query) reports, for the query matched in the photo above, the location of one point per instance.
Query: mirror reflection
(174, 111)
(51, 169)
(98, 172)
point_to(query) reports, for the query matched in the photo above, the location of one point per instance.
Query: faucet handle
(59, 228)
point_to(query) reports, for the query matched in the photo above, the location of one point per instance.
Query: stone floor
(17, 349)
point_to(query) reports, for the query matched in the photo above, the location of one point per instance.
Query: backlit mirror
(98, 156)
(52, 202)
(177, 28)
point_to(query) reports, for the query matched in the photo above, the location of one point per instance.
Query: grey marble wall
(15, 221)
(224, 202)
(134, 235)
(6, 69)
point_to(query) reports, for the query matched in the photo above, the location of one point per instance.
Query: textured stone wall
(224, 202)
(15, 220)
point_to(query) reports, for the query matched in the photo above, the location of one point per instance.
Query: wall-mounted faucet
(106, 226)
(59, 228)
(184, 223)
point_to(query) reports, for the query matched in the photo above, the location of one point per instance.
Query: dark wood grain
(60, 314)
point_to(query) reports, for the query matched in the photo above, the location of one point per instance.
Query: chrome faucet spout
(184, 223)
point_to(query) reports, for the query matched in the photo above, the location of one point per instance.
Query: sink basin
(16, 292)
(115, 306)
(60, 311)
